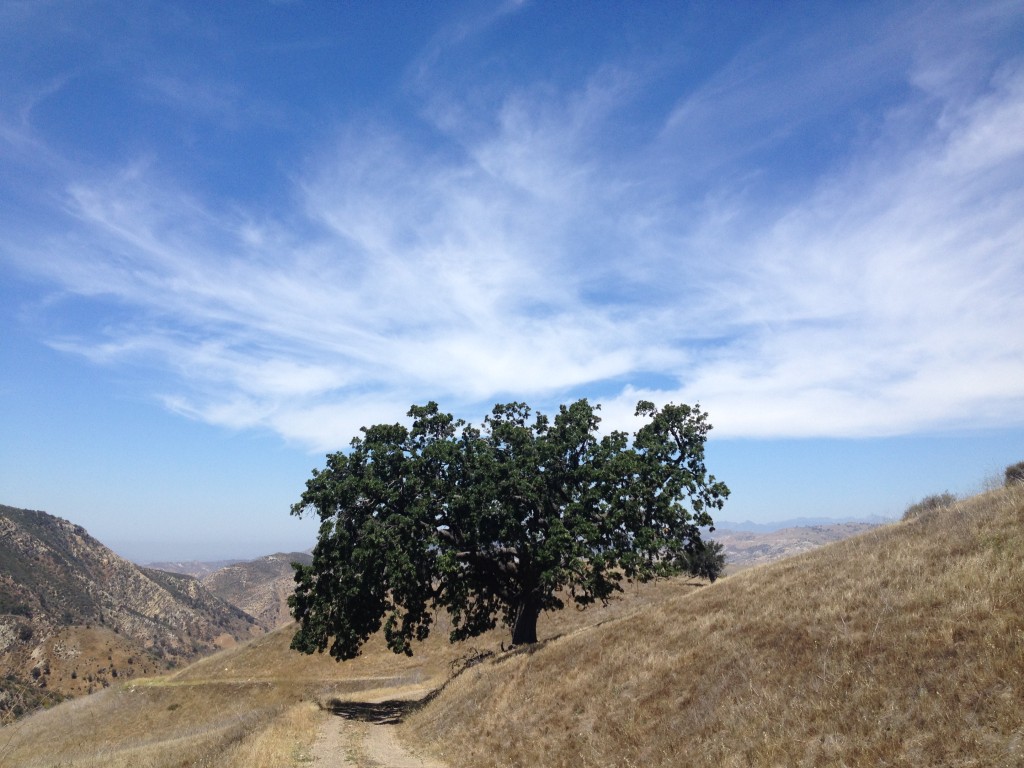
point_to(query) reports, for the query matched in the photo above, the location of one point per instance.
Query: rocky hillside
(259, 587)
(74, 615)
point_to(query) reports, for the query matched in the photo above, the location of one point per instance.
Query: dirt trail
(332, 749)
(344, 743)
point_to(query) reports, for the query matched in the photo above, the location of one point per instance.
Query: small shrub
(16, 609)
(1015, 474)
(928, 503)
(708, 561)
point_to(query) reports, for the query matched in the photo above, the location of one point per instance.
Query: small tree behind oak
(1015, 474)
(499, 522)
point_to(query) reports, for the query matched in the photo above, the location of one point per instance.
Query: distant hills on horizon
(203, 568)
(899, 646)
(197, 568)
(799, 522)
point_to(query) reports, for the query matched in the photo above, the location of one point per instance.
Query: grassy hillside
(904, 646)
(252, 706)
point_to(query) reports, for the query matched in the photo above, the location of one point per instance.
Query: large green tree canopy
(499, 522)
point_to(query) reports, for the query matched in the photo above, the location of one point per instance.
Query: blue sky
(233, 233)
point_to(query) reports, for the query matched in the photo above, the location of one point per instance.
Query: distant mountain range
(197, 568)
(259, 587)
(798, 522)
(746, 548)
(74, 615)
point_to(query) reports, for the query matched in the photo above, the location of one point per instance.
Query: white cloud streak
(892, 300)
(520, 263)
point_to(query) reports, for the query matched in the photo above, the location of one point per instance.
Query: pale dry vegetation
(157, 723)
(253, 706)
(904, 646)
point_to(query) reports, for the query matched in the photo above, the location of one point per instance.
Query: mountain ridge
(260, 587)
(899, 646)
(197, 568)
(74, 614)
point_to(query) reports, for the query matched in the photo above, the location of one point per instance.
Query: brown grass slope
(252, 706)
(900, 647)
(256, 705)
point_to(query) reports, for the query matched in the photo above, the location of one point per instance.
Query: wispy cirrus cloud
(516, 255)
(391, 293)
(890, 300)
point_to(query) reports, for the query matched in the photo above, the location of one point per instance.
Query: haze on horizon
(230, 236)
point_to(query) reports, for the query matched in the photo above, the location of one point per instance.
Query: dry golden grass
(81, 660)
(902, 647)
(253, 706)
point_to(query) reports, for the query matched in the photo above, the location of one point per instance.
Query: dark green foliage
(497, 523)
(12, 605)
(1015, 474)
(707, 561)
(928, 503)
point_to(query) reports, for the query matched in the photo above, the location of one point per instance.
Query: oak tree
(498, 522)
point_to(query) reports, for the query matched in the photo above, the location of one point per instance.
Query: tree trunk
(525, 630)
